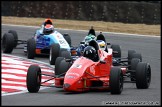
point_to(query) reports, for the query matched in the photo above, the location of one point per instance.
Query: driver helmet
(48, 21)
(89, 37)
(90, 52)
(101, 44)
(48, 29)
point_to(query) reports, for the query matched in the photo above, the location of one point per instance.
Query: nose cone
(66, 86)
(73, 85)
(70, 86)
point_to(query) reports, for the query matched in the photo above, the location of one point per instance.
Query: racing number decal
(62, 42)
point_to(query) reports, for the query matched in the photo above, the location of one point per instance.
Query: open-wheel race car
(39, 44)
(96, 69)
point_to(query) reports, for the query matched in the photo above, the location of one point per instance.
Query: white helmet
(101, 44)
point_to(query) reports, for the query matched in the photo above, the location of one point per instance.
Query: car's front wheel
(33, 79)
(116, 80)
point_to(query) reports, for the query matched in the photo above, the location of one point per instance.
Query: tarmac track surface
(149, 47)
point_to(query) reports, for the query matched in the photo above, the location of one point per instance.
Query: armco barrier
(112, 11)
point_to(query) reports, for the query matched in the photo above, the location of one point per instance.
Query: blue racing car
(45, 40)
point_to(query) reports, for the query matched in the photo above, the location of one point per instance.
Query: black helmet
(90, 52)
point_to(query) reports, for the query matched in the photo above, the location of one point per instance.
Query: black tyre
(116, 51)
(137, 55)
(143, 75)
(54, 53)
(7, 43)
(14, 33)
(62, 67)
(67, 38)
(116, 80)
(62, 49)
(57, 62)
(33, 80)
(130, 53)
(31, 46)
(133, 67)
(66, 54)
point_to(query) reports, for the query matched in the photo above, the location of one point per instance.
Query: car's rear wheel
(14, 33)
(33, 80)
(116, 51)
(7, 43)
(54, 53)
(133, 66)
(66, 54)
(57, 62)
(31, 46)
(143, 75)
(116, 80)
(62, 66)
(130, 52)
(67, 38)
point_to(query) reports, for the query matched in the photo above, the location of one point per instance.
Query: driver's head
(48, 29)
(88, 38)
(101, 44)
(90, 52)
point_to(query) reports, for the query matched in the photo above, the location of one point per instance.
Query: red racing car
(96, 69)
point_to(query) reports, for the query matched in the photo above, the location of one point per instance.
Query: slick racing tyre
(116, 80)
(143, 75)
(132, 54)
(14, 33)
(62, 66)
(66, 54)
(57, 62)
(31, 46)
(54, 53)
(7, 43)
(33, 79)
(116, 51)
(67, 38)
(133, 67)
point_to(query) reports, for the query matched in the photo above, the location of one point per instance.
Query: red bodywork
(86, 74)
